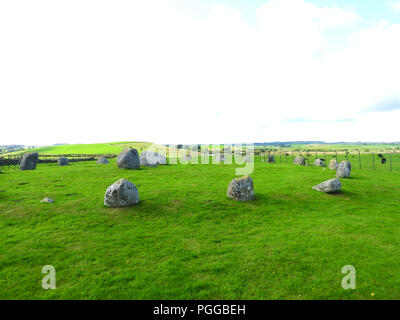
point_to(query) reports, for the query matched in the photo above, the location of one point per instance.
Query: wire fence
(388, 162)
(380, 161)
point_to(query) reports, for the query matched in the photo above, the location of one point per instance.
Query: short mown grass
(187, 240)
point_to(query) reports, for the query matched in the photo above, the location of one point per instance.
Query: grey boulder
(102, 160)
(63, 161)
(299, 160)
(128, 159)
(347, 163)
(319, 163)
(343, 170)
(29, 161)
(150, 158)
(333, 164)
(241, 189)
(329, 186)
(271, 159)
(121, 193)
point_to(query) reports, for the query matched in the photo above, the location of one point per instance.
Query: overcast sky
(199, 71)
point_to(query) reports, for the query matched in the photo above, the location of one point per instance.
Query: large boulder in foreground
(329, 186)
(29, 161)
(121, 193)
(128, 159)
(299, 160)
(319, 163)
(151, 158)
(344, 169)
(102, 160)
(241, 189)
(333, 164)
(63, 161)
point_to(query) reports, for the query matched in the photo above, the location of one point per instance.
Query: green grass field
(94, 148)
(187, 240)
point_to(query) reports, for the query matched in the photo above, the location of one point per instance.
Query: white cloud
(83, 71)
(394, 5)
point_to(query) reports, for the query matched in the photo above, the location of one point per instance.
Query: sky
(199, 71)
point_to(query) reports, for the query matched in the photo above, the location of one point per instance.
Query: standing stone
(330, 186)
(319, 163)
(299, 160)
(121, 193)
(220, 158)
(343, 170)
(241, 189)
(150, 158)
(347, 163)
(128, 159)
(271, 159)
(63, 161)
(29, 161)
(333, 164)
(102, 160)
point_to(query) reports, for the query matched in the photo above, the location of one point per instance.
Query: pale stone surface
(241, 189)
(329, 186)
(29, 161)
(299, 160)
(121, 193)
(151, 158)
(47, 199)
(63, 161)
(220, 158)
(333, 164)
(319, 163)
(102, 160)
(343, 170)
(128, 159)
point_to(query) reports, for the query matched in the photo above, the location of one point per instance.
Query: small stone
(329, 186)
(241, 189)
(319, 163)
(102, 160)
(333, 164)
(63, 161)
(299, 160)
(271, 159)
(121, 193)
(47, 199)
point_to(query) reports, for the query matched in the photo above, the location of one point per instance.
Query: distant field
(96, 148)
(187, 240)
(116, 147)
